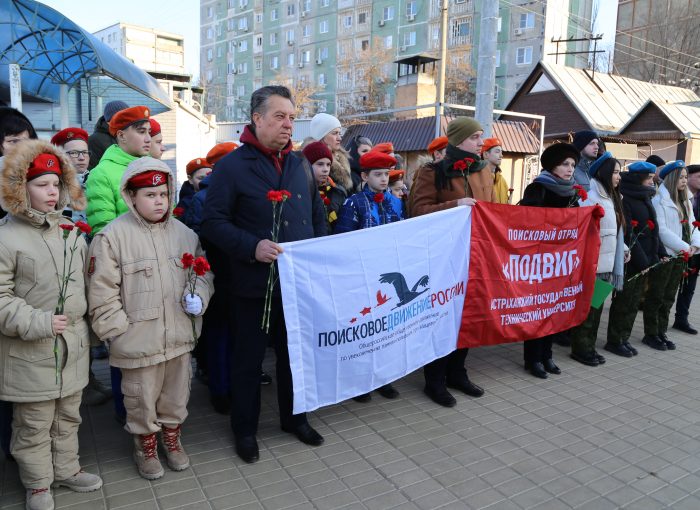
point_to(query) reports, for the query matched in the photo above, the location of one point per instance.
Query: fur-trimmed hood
(13, 184)
(340, 169)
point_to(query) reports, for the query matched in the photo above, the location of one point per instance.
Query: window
(241, 90)
(274, 15)
(323, 27)
(229, 68)
(495, 92)
(347, 21)
(324, 52)
(243, 24)
(527, 20)
(258, 41)
(273, 38)
(258, 65)
(325, 3)
(290, 60)
(306, 56)
(232, 46)
(219, 51)
(500, 23)
(218, 29)
(362, 18)
(209, 75)
(230, 24)
(389, 41)
(274, 62)
(409, 39)
(258, 18)
(290, 35)
(461, 28)
(210, 33)
(306, 6)
(388, 13)
(291, 9)
(243, 68)
(306, 31)
(210, 55)
(411, 9)
(498, 58)
(210, 12)
(243, 4)
(364, 45)
(242, 46)
(322, 79)
(523, 56)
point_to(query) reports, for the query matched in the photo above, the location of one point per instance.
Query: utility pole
(486, 68)
(443, 63)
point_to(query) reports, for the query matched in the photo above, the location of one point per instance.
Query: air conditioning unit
(382, 22)
(319, 61)
(234, 71)
(303, 14)
(518, 31)
(290, 43)
(402, 48)
(234, 43)
(300, 65)
(245, 29)
(410, 17)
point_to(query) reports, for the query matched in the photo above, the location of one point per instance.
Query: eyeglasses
(78, 154)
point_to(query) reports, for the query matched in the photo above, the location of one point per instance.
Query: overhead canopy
(52, 50)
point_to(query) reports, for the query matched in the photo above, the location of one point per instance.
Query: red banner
(531, 272)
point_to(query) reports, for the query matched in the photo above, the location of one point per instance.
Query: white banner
(368, 307)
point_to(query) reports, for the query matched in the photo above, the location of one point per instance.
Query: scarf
(276, 156)
(457, 163)
(556, 185)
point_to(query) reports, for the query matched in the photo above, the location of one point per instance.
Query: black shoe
(619, 349)
(388, 391)
(306, 434)
(466, 386)
(536, 369)
(365, 397)
(441, 396)
(669, 345)
(599, 357)
(551, 367)
(265, 379)
(685, 328)
(654, 342)
(589, 359)
(247, 449)
(630, 348)
(221, 403)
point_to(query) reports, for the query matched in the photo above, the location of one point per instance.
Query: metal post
(15, 87)
(443, 64)
(63, 105)
(486, 68)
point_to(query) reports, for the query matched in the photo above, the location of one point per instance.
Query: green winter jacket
(102, 188)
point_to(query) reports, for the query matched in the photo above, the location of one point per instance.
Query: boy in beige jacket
(141, 306)
(37, 183)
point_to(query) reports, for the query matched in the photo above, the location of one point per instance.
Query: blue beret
(670, 167)
(593, 170)
(642, 167)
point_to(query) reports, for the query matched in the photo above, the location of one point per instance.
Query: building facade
(338, 55)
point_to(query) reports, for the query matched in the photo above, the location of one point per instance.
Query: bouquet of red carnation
(680, 255)
(580, 193)
(179, 212)
(637, 233)
(278, 198)
(195, 267)
(66, 275)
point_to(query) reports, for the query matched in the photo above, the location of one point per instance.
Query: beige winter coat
(136, 285)
(31, 258)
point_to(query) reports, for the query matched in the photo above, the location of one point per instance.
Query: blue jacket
(193, 213)
(238, 215)
(361, 211)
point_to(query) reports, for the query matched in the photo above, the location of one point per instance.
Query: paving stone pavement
(622, 435)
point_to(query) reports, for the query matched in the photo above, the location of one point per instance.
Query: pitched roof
(416, 134)
(686, 117)
(610, 101)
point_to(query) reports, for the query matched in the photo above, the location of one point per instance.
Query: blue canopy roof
(52, 50)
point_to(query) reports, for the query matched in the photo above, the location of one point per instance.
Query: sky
(179, 17)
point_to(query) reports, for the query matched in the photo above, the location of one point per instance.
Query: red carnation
(274, 196)
(67, 227)
(634, 223)
(201, 266)
(696, 224)
(511, 190)
(468, 161)
(326, 201)
(179, 212)
(378, 198)
(685, 274)
(285, 194)
(84, 227)
(581, 192)
(187, 260)
(683, 222)
(651, 225)
(685, 255)
(460, 165)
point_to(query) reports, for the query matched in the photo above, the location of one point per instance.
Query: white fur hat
(322, 124)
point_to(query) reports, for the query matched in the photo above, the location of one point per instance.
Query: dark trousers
(661, 293)
(216, 333)
(686, 291)
(448, 367)
(249, 342)
(5, 426)
(623, 310)
(583, 336)
(115, 376)
(538, 350)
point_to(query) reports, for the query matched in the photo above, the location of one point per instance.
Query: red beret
(490, 143)
(155, 127)
(125, 118)
(148, 179)
(438, 144)
(68, 135)
(43, 164)
(386, 148)
(317, 150)
(395, 175)
(374, 160)
(196, 164)
(219, 151)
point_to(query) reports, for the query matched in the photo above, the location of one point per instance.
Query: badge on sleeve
(91, 266)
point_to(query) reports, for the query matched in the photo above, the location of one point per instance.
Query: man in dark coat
(236, 227)
(100, 139)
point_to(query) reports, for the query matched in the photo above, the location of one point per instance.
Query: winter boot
(39, 499)
(146, 456)
(175, 453)
(80, 482)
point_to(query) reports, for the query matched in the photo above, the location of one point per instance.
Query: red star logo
(365, 310)
(353, 320)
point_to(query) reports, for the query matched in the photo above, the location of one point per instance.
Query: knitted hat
(196, 164)
(43, 164)
(125, 118)
(583, 138)
(462, 128)
(148, 179)
(322, 124)
(593, 170)
(219, 151)
(384, 147)
(655, 160)
(670, 167)
(437, 144)
(374, 160)
(155, 127)
(642, 167)
(395, 175)
(693, 169)
(68, 135)
(490, 143)
(317, 150)
(555, 154)
(113, 107)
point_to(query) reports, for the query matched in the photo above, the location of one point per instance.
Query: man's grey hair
(259, 99)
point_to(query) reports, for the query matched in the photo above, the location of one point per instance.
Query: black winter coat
(637, 206)
(536, 195)
(99, 141)
(238, 215)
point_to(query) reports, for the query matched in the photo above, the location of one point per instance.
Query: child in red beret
(333, 195)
